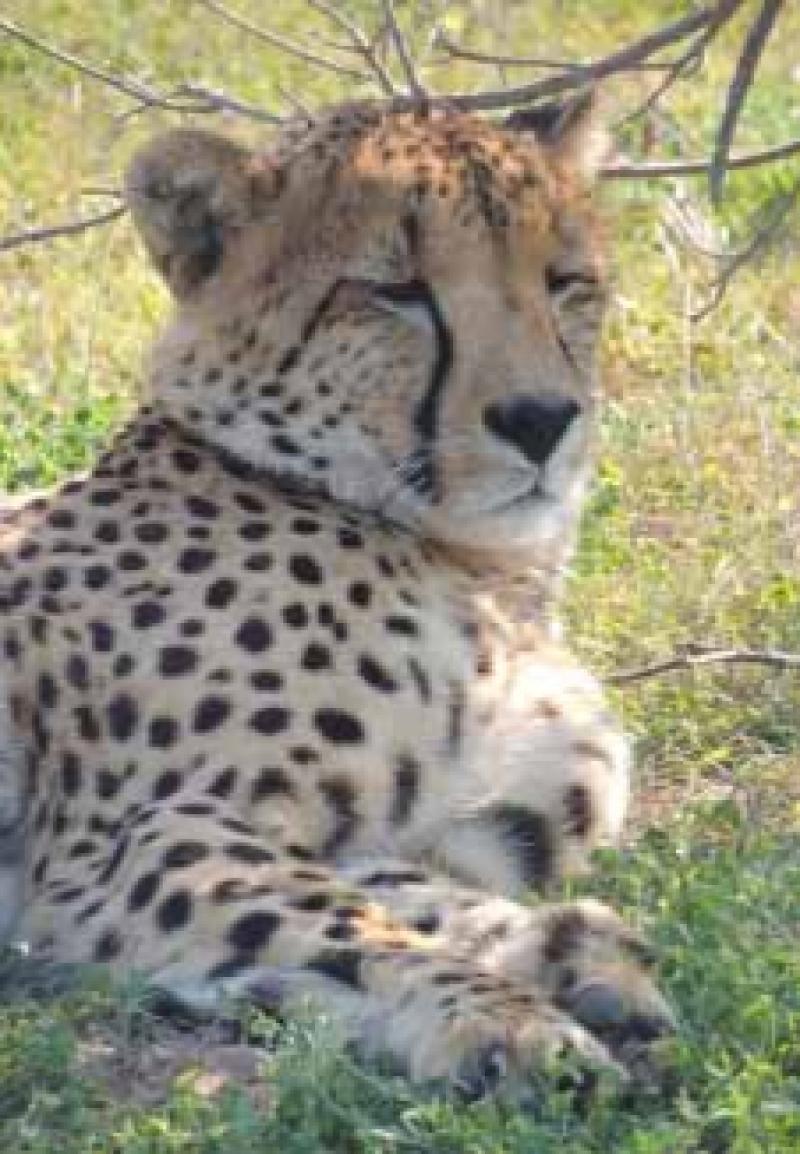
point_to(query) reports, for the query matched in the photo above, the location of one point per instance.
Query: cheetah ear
(189, 192)
(570, 131)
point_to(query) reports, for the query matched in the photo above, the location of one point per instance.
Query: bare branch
(620, 61)
(69, 228)
(139, 92)
(647, 170)
(454, 51)
(275, 40)
(740, 84)
(776, 658)
(358, 43)
(760, 240)
(415, 85)
(216, 101)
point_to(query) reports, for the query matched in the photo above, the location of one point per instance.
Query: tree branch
(697, 656)
(647, 170)
(622, 60)
(740, 85)
(141, 93)
(283, 43)
(415, 85)
(69, 228)
(358, 43)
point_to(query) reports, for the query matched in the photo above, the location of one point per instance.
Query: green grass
(691, 536)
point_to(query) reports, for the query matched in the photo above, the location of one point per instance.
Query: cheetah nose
(534, 425)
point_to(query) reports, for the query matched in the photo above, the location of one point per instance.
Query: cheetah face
(396, 310)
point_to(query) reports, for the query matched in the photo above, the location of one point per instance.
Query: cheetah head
(396, 310)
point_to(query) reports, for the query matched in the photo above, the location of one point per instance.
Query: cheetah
(288, 715)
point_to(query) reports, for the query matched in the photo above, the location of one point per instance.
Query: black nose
(534, 425)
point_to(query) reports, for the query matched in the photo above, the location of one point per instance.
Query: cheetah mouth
(531, 494)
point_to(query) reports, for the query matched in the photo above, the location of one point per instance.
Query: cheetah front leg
(206, 909)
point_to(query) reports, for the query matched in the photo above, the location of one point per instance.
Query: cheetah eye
(410, 300)
(560, 282)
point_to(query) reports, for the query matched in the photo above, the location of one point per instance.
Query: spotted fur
(288, 714)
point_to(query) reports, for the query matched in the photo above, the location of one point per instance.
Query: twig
(69, 228)
(216, 101)
(776, 658)
(141, 93)
(622, 60)
(740, 84)
(440, 40)
(358, 43)
(275, 40)
(760, 239)
(415, 85)
(647, 170)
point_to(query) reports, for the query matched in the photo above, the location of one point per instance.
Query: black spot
(271, 720)
(184, 853)
(316, 657)
(421, 679)
(147, 613)
(174, 911)
(105, 496)
(61, 519)
(527, 834)
(350, 539)
(258, 562)
(305, 526)
(340, 965)
(266, 680)
(202, 507)
(162, 732)
(295, 614)
(375, 675)
(248, 853)
(151, 533)
(107, 946)
(88, 727)
(106, 784)
(248, 502)
(270, 782)
(311, 903)
(167, 784)
(340, 796)
(210, 712)
(192, 627)
(123, 717)
(254, 635)
(143, 891)
(186, 461)
(390, 878)
(406, 789)
(176, 660)
(427, 923)
(578, 804)
(399, 623)
(283, 444)
(130, 561)
(360, 594)
(114, 860)
(83, 847)
(224, 783)
(339, 727)
(102, 636)
(47, 691)
(220, 594)
(455, 716)
(254, 530)
(195, 560)
(123, 665)
(305, 569)
(565, 932)
(252, 931)
(96, 576)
